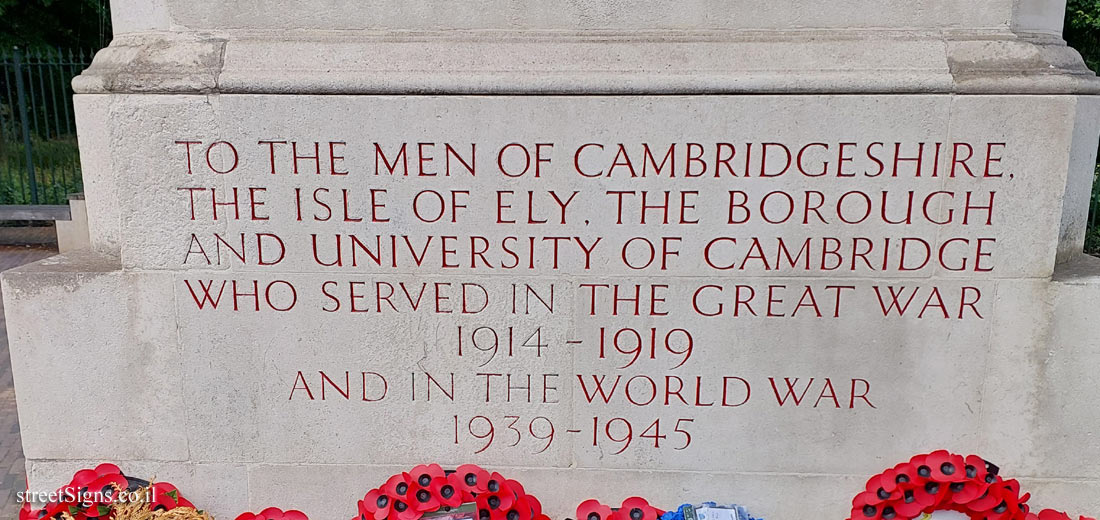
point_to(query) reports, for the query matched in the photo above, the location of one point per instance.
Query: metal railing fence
(39, 161)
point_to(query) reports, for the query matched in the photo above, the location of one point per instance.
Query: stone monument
(738, 250)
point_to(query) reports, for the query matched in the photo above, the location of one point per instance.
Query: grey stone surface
(119, 339)
(613, 62)
(374, 15)
(13, 475)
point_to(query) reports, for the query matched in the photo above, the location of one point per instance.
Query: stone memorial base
(746, 262)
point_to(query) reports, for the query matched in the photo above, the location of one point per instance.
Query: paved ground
(12, 476)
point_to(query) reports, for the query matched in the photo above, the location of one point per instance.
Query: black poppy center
(447, 491)
(471, 479)
(382, 501)
(636, 514)
(924, 471)
(882, 494)
(888, 513)
(400, 506)
(932, 488)
(909, 497)
(494, 486)
(971, 471)
(992, 468)
(494, 502)
(513, 515)
(947, 468)
(869, 511)
(424, 479)
(402, 488)
(957, 486)
(901, 479)
(1000, 507)
(423, 496)
(593, 516)
(483, 514)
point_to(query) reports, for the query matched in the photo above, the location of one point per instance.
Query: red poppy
(167, 497)
(421, 498)
(637, 508)
(53, 509)
(424, 473)
(922, 470)
(496, 503)
(83, 478)
(522, 509)
(456, 480)
(1050, 514)
(496, 483)
(1010, 506)
(397, 487)
(991, 497)
(376, 504)
(536, 506)
(106, 488)
(878, 486)
(862, 510)
(976, 469)
(908, 506)
(516, 487)
(403, 511)
(26, 513)
(273, 513)
(361, 511)
(474, 480)
(446, 492)
(963, 493)
(999, 498)
(946, 467)
(592, 509)
(931, 495)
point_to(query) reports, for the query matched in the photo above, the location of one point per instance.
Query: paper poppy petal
(107, 469)
(946, 467)
(592, 509)
(446, 492)
(473, 478)
(424, 473)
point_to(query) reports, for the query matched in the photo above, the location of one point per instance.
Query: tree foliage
(55, 23)
(1082, 29)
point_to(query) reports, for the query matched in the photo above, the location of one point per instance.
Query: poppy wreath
(943, 481)
(273, 513)
(429, 488)
(633, 508)
(92, 495)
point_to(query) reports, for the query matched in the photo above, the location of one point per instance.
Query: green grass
(56, 171)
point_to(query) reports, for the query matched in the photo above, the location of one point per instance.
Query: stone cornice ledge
(764, 62)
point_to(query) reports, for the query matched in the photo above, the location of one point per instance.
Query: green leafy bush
(1082, 32)
(56, 171)
(1082, 29)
